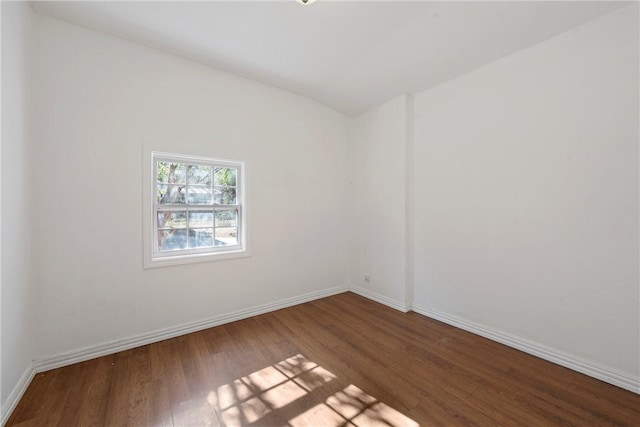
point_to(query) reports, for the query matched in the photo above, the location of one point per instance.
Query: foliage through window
(197, 205)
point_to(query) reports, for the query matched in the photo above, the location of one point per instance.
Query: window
(198, 210)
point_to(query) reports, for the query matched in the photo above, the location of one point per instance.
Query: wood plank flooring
(342, 360)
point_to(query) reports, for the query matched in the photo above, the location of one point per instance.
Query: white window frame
(153, 257)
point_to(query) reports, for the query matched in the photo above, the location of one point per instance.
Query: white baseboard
(12, 401)
(586, 367)
(382, 299)
(558, 357)
(91, 352)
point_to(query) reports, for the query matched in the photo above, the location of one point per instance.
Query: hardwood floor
(342, 360)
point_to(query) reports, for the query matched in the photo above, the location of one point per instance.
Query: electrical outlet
(367, 278)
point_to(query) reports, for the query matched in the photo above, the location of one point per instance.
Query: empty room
(320, 213)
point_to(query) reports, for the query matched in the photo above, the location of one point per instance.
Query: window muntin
(197, 207)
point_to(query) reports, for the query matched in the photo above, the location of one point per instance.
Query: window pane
(199, 195)
(171, 173)
(170, 193)
(226, 236)
(197, 207)
(198, 174)
(171, 240)
(172, 219)
(200, 219)
(225, 196)
(226, 218)
(200, 238)
(225, 176)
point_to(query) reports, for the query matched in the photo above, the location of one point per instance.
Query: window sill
(194, 258)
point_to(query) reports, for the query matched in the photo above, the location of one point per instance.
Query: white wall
(526, 194)
(17, 324)
(99, 99)
(378, 243)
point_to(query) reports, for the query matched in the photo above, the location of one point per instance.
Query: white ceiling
(349, 55)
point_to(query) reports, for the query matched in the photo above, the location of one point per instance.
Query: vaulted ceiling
(349, 55)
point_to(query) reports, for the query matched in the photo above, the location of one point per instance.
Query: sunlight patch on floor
(253, 396)
(262, 393)
(355, 406)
